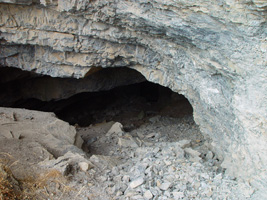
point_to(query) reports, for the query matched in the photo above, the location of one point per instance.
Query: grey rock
(193, 154)
(84, 166)
(68, 163)
(184, 143)
(137, 182)
(57, 136)
(148, 194)
(115, 129)
(127, 143)
(164, 186)
(213, 52)
(209, 155)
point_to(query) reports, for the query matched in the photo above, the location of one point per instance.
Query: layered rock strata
(212, 52)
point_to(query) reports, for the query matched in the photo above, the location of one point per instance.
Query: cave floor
(137, 150)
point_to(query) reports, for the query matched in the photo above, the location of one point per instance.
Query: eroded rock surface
(42, 130)
(213, 52)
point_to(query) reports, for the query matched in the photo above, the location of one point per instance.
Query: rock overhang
(215, 55)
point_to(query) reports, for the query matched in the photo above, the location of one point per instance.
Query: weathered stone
(57, 136)
(192, 152)
(67, 164)
(115, 129)
(184, 143)
(127, 143)
(137, 182)
(209, 155)
(164, 186)
(84, 166)
(103, 162)
(148, 194)
(213, 52)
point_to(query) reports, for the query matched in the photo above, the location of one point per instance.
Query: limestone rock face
(55, 135)
(213, 52)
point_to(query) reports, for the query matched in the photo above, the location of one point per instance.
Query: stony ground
(151, 156)
(166, 158)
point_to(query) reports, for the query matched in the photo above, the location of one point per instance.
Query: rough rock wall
(213, 52)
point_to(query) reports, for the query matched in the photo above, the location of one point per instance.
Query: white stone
(209, 155)
(192, 152)
(184, 143)
(127, 143)
(148, 194)
(116, 128)
(84, 166)
(164, 186)
(178, 195)
(137, 182)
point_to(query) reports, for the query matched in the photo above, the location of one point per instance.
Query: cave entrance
(93, 104)
(132, 103)
(125, 124)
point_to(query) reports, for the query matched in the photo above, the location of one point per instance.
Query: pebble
(137, 182)
(116, 129)
(127, 143)
(209, 155)
(164, 186)
(84, 166)
(148, 194)
(178, 195)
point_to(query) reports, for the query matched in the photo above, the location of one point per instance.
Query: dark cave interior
(131, 104)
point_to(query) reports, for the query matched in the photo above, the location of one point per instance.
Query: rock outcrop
(54, 135)
(213, 52)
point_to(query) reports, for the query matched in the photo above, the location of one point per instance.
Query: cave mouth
(130, 104)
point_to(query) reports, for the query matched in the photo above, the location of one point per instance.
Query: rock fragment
(148, 194)
(178, 195)
(116, 129)
(127, 143)
(193, 154)
(84, 166)
(137, 182)
(164, 186)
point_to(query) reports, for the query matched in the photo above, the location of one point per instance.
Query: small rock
(167, 194)
(184, 143)
(148, 194)
(218, 177)
(116, 128)
(194, 155)
(209, 155)
(152, 135)
(154, 119)
(84, 166)
(137, 197)
(167, 162)
(192, 152)
(140, 135)
(78, 141)
(102, 178)
(178, 195)
(126, 178)
(119, 193)
(137, 182)
(127, 143)
(164, 186)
